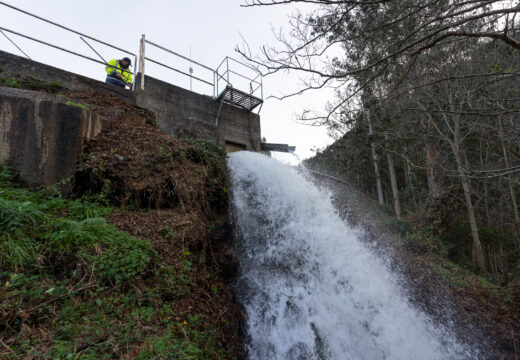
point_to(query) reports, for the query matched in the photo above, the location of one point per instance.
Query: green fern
(15, 215)
(18, 252)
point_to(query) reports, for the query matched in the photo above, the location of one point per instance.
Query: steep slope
(135, 263)
(481, 312)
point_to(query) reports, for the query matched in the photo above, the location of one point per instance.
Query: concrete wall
(13, 66)
(181, 113)
(42, 137)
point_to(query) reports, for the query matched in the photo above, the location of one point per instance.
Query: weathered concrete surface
(41, 137)
(181, 113)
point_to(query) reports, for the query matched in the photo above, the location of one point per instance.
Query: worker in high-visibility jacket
(117, 74)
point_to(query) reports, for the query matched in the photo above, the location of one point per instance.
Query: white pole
(141, 60)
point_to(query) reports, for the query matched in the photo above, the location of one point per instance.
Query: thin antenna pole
(191, 72)
(8, 38)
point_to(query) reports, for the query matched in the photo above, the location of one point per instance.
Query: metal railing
(255, 85)
(81, 35)
(224, 73)
(215, 77)
(143, 58)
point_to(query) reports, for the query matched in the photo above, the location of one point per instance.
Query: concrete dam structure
(42, 135)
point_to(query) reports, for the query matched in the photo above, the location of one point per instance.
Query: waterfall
(311, 289)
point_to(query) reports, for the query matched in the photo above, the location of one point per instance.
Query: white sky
(211, 28)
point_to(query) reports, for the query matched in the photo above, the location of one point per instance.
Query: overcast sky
(211, 29)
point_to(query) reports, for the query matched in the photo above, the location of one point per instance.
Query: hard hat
(127, 60)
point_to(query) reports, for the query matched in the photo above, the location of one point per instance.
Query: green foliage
(206, 152)
(150, 120)
(76, 104)
(118, 259)
(193, 345)
(424, 241)
(173, 282)
(55, 86)
(18, 251)
(167, 232)
(31, 83)
(31, 226)
(125, 259)
(399, 226)
(95, 292)
(213, 157)
(460, 278)
(15, 215)
(6, 81)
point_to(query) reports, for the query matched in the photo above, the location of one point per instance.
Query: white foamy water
(311, 289)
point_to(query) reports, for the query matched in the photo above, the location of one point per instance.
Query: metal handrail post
(142, 60)
(135, 66)
(262, 88)
(227, 65)
(215, 84)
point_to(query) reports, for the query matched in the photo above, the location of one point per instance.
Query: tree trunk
(431, 158)
(374, 159)
(407, 169)
(483, 165)
(478, 254)
(393, 181)
(511, 188)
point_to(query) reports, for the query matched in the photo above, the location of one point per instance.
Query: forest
(425, 112)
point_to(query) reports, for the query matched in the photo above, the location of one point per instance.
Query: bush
(424, 241)
(33, 233)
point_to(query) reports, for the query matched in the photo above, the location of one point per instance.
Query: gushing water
(311, 289)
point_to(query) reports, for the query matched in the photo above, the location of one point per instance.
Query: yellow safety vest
(125, 75)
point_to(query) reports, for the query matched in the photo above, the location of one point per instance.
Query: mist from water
(310, 287)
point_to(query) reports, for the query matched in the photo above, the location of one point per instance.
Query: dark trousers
(115, 81)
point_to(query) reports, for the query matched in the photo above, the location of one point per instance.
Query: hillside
(133, 263)
(482, 310)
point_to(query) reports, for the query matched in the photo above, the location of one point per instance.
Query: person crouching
(116, 72)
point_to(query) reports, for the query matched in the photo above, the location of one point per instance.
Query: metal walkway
(239, 98)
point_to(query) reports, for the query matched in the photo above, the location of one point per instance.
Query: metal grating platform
(239, 98)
